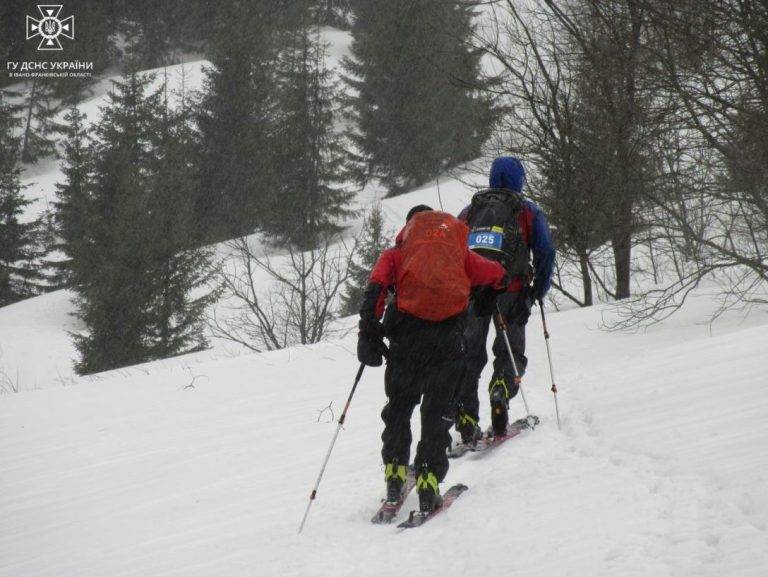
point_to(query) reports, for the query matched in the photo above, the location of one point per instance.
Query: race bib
(486, 239)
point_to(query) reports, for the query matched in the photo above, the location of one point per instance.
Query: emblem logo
(50, 27)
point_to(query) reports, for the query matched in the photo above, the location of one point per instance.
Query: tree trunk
(585, 278)
(25, 156)
(622, 255)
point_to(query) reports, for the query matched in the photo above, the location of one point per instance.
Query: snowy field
(204, 466)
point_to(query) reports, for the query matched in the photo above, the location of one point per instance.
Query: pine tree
(236, 119)
(334, 13)
(12, 35)
(180, 270)
(71, 219)
(158, 32)
(310, 200)
(40, 128)
(415, 103)
(96, 29)
(20, 251)
(374, 238)
(136, 271)
(112, 292)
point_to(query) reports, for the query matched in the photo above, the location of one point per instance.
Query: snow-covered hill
(36, 350)
(204, 467)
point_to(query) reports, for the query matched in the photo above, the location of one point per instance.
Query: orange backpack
(432, 283)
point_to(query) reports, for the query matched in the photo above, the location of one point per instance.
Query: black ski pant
(475, 339)
(424, 366)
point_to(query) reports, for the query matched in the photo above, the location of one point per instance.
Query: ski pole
(333, 442)
(502, 325)
(549, 357)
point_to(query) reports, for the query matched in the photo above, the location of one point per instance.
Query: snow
(205, 464)
(35, 348)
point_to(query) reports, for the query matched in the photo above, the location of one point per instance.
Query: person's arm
(370, 342)
(488, 279)
(484, 272)
(381, 279)
(543, 256)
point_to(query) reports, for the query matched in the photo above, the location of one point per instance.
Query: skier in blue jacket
(509, 228)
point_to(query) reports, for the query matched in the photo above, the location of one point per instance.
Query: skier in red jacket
(432, 274)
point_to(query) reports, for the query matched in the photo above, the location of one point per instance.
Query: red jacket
(480, 270)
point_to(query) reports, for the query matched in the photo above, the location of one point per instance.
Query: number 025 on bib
(488, 239)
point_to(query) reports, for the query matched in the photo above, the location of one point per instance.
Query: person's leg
(504, 385)
(402, 396)
(436, 416)
(502, 366)
(437, 410)
(476, 356)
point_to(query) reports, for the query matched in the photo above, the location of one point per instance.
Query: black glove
(522, 308)
(535, 292)
(484, 300)
(370, 342)
(485, 297)
(371, 327)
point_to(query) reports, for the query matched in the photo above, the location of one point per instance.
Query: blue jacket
(508, 173)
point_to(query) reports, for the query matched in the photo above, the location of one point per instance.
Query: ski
(491, 441)
(389, 511)
(418, 518)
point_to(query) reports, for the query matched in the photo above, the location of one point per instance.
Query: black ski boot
(395, 477)
(499, 393)
(429, 491)
(468, 428)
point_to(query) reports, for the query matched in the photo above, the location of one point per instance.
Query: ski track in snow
(660, 468)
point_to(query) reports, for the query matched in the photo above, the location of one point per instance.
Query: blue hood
(507, 172)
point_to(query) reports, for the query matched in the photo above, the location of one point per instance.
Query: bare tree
(299, 305)
(533, 81)
(569, 74)
(713, 200)
(628, 112)
(716, 62)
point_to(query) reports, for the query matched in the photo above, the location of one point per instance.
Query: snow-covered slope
(198, 468)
